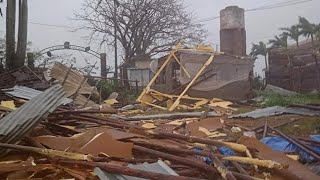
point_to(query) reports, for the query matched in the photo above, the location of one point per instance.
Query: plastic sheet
(281, 144)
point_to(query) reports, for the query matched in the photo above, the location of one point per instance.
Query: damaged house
(230, 70)
(294, 69)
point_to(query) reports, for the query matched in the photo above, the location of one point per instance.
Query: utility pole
(116, 4)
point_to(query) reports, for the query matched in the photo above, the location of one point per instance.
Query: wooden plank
(182, 67)
(146, 89)
(176, 103)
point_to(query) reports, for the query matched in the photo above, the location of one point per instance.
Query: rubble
(280, 91)
(45, 138)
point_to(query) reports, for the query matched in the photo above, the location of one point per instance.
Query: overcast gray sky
(260, 25)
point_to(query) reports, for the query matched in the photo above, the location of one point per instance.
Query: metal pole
(115, 40)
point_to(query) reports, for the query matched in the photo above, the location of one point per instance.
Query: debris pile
(49, 134)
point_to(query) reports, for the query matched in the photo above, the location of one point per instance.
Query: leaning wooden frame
(149, 96)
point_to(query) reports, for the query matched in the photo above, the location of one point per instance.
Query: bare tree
(142, 26)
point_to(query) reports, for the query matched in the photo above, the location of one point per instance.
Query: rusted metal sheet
(20, 122)
(94, 142)
(295, 169)
(104, 143)
(211, 124)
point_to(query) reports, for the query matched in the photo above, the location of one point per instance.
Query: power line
(278, 6)
(264, 7)
(50, 25)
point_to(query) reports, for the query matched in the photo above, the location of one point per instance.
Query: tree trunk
(125, 74)
(10, 33)
(290, 71)
(22, 33)
(265, 72)
(317, 71)
(266, 62)
(297, 42)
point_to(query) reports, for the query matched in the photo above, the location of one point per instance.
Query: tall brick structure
(232, 31)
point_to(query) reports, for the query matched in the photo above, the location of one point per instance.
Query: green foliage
(294, 33)
(259, 49)
(280, 41)
(271, 99)
(308, 29)
(107, 87)
(257, 83)
(302, 128)
(129, 96)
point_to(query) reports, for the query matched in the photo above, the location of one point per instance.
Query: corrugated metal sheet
(18, 123)
(27, 93)
(158, 167)
(276, 110)
(22, 92)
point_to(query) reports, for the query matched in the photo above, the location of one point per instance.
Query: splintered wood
(155, 98)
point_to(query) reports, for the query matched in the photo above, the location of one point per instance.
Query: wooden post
(146, 89)
(103, 61)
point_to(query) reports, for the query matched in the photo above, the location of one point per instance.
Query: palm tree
(280, 41)
(293, 32)
(260, 49)
(307, 29)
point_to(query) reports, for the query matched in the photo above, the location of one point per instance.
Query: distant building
(302, 75)
(140, 71)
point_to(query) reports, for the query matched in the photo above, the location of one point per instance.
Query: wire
(50, 25)
(264, 7)
(278, 6)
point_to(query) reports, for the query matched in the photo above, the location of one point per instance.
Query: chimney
(232, 31)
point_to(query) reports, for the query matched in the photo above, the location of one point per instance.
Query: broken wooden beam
(254, 161)
(48, 152)
(175, 149)
(193, 139)
(177, 159)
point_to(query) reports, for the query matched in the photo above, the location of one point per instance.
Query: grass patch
(303, 128)
(278, 100)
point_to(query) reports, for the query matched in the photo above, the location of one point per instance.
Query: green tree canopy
(293, 32)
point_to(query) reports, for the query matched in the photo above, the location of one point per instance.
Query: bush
(107, 88)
